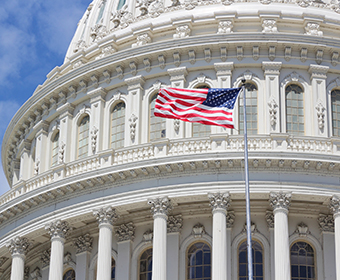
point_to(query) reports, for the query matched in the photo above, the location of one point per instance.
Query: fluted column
(83, 245)
(159, 208)
(219, 203)
(335, 207)
(175, 225)
(18, 248)
(280, 203)
(58, 231)
(105, 217)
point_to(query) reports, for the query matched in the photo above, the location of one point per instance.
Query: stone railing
(174, 148)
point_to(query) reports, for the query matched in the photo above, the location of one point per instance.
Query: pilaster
(230, 225)
(67, 145)
(270, 223)
(83, 245)
(41, 159)
(24, 151)
(174, 227)
(334, 205)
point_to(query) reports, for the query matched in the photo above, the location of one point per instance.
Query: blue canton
(222, 97)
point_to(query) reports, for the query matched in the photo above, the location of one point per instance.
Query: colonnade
(160, 207)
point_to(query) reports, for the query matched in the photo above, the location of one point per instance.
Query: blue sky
(34, 37)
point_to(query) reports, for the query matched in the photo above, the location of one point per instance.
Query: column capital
(230, 219)
(19, 246)
(83, 243)
(178, 73)
(224, 68)
(326, 223)
(160, 205)
(318, 71)
(280, 201)
(58, 228)
(272, 68)
(106, 215)
(270, 219)
(175, 223)
(334, 205)
(219, 201)
(136, 82)
(125, 232)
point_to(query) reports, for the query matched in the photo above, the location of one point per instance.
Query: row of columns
(160, 208)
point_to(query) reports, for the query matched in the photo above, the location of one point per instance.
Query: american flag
(213, 106)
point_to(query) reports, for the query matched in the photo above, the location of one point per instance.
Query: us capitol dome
(101, 189)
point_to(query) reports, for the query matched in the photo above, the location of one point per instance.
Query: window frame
(113, 106)
(78, 134)
(284, 111)
(139, 260)
(331, 112)
(315, 256)
(152, 97)
(186, 257)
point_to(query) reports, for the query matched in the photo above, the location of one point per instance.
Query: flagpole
(246, 173)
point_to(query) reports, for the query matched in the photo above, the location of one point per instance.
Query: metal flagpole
(246, 172)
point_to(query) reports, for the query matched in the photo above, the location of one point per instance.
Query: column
(280, 203)
(223, 74)
(125, 234)
(58, 231)
(18, 248)
(316, 104)
(219, 203)
(326, 224)
(270, 224)
(41, 157)
(45, 261)
(335, 207)
(230, 224)
(83, 245)
(175, 225)
(177, 128)
(269, 102)
(159, 208)
(105, 217)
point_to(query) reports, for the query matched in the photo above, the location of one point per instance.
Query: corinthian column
(219, 203)
(159, 208)
(105, 217)
(18, 248)
(335, 207)
(58, 231)
(280, 203)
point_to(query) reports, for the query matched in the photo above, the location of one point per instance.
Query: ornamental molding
(45, 258)
(133, 123)
(302, 229)
(272, 68)
(313, 28)
(326, 223)
(280, 200)
(253, 228)
(225, 27)
(125, 232)
(198, 230)
(219, 201)
(136, 82)
(175, 224)
(160, 205)
(273, 110)
(142, 40)
(58, 228)
(182, 31)
(318, 71)
(68, 261)
(230, 219)
(320, 113)
(106, 215)
(19, 246)
(293, 77)
(83, 243)
(178, 73)
(148, 236)
(334, 205)
(269, 26)
(270, 219)
(224, 68)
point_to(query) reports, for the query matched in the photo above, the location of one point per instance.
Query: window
(335, 100)
(83, 136)
(251, 108)
(157, 125)
(55, 149)
(199, 261)
(302, 261)
(199, 129)
(113, 269)
(257, 254)
(120, 5)
(294, 110)
(145, 265)
(69, 275)
(101, 11)
(118, 126)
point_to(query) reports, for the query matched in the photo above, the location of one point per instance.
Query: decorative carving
(68, 259)
(269, 26)
(83, 243)
(265, 2)
(45, 258)
(133, 123)
(2, 260)
(125, 232)
(303, 54)
(142, 39)
(270, 219)
(80, 45)
(239, 52)
(156, 8)
(219, 201)
(335, 58)
(227, 2)
(177, 59)
(313, 28)
(273, 111)
(94, 135)
(36, 274)
(106, 215)
(230, 219)
(160, 205)
(304, 3)
(98, 32)
(253, 227)
(148, 236)
(190, 4)
(334, 205)
(271, 53)
(26, 272)
(302, 229)
(198, 230)
(182, 31)
(36, 167)
(176, 125)
(207, 55)
(147, 64)
(288, 53)
(192, 56)
(175, 223)
(58, 229)
(106, 51)
(319, 56)
(280, 200)
(326, 223)
(61, 152)
(225, 26)
(320, 112)
(256, 52)
(161, 61)
(19, 246)
(122, 18)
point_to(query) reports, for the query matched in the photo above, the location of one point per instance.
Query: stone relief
(125, 232)
(326, 223)
(175, 223)
(83, 243)
(225, 26)
(320, 113)
(106, 215)
(58, 229)
(198, 230)
(142, 39)
(302, 229)
(269, 26)
(313, 28)
(133, 123)
(273, 107)
(182, 31)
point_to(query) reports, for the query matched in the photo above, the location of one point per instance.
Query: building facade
(102, 189)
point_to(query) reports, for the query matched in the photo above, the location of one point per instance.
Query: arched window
(294, 110)
(257, 253)
(113, 269)
(199, 129)
(145, 265)
(69, 275)
(55, 149)
(118, 126)
(251, 108)
(83, 136)
(157, 124)
(302, 261)
(120, 5)
(199, 261)
(335, 100)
